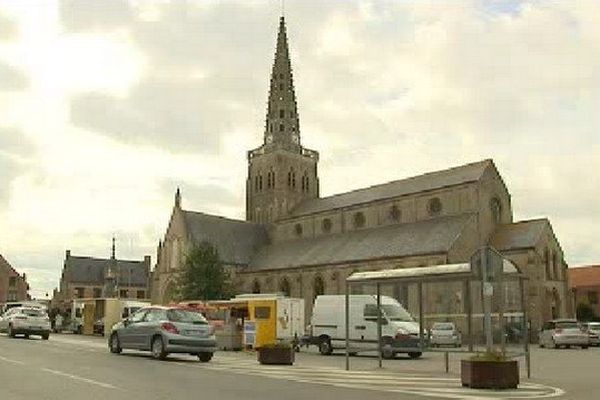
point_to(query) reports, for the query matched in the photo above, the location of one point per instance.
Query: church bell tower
(281, 173)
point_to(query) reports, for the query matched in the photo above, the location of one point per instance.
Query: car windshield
(32, 312)
(442, 327)
(567, 325)
(193, 317)
(396, 313)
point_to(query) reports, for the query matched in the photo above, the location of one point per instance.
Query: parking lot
(69, 365)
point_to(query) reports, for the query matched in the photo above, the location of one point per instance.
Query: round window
(434, 206)
(298, 229)
(326, 225)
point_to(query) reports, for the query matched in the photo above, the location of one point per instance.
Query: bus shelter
(491, 290)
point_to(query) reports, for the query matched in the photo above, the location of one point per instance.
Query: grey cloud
(15, 150)
(86, 15)
(11, 78)
(8, 28)
(198, 197)
(179, 117)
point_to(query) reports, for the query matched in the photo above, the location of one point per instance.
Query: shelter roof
(422, 183)
(398, 240)
(441, 271)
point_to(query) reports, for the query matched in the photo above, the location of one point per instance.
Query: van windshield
(396, 313)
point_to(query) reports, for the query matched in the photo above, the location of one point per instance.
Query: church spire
(282, 128)
(113, 250)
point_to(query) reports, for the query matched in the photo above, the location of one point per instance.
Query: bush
(493, 356)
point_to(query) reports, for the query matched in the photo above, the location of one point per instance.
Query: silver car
(163, 330)
(25, 321)
(444, 334)
(593, 329)
(563, 332)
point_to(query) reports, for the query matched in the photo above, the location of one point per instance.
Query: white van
(399, 331)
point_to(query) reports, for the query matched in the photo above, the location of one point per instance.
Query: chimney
(68, 254)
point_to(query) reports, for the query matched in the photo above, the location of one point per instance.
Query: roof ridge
(487, 160)
(526, 221)
(104, 259)
(219, 217)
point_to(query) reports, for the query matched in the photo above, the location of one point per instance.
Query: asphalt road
(75, 367)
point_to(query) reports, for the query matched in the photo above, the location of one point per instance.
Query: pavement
(80, 367)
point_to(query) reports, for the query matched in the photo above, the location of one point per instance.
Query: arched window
(260, 182)
(273, 179)
(547, 261)
(394, 214)
(496, 209)
(281, 113)
(326, 225)
(359, 219)
(298, 229)
(318, 287)
(256, 183)
(281, 128)
(434, 206)
(284, 287)
(269, 180)
(256, 286)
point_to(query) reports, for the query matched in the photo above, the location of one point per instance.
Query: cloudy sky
(107, 106)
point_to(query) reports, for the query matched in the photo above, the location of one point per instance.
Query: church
(296, 242)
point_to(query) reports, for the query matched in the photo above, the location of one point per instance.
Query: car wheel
(387, 352)
(415, 355)
(325, 347)
(205, 357)
(568, 346)
(45, 336)
(584, 347)
(114, 344)
(158, 348)
(10, 331)
(26, 336)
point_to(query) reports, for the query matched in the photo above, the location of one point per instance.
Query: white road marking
(80, 378)
(413, 384)
(12, 361)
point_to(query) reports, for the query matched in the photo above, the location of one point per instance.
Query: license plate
(195, 333)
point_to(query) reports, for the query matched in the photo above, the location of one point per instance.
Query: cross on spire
(282, 127)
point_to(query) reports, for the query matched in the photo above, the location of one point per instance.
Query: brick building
(584, 283)
(13, 286)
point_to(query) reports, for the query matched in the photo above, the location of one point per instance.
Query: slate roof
(519, 235)
(399, 240)
(93, 270)
(584, 276)
(235, 240)
(417, 184)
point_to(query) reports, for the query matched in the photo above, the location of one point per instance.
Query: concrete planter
(489, 374)
(276, 355)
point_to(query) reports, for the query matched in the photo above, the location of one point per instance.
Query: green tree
(585, 312)
(202, 275)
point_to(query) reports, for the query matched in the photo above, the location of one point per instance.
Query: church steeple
(281, 173)
(282, 127)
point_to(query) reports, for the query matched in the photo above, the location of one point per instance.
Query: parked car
(563, 332)
(444, 334)
(164, 330)
(400, 332)
(593, 329)
(25, 321)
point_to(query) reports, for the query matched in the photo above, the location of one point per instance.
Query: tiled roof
(399, 240)
(235, 240)
(518, 235)
(584, 276)
(93, 270)
(421, 183)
